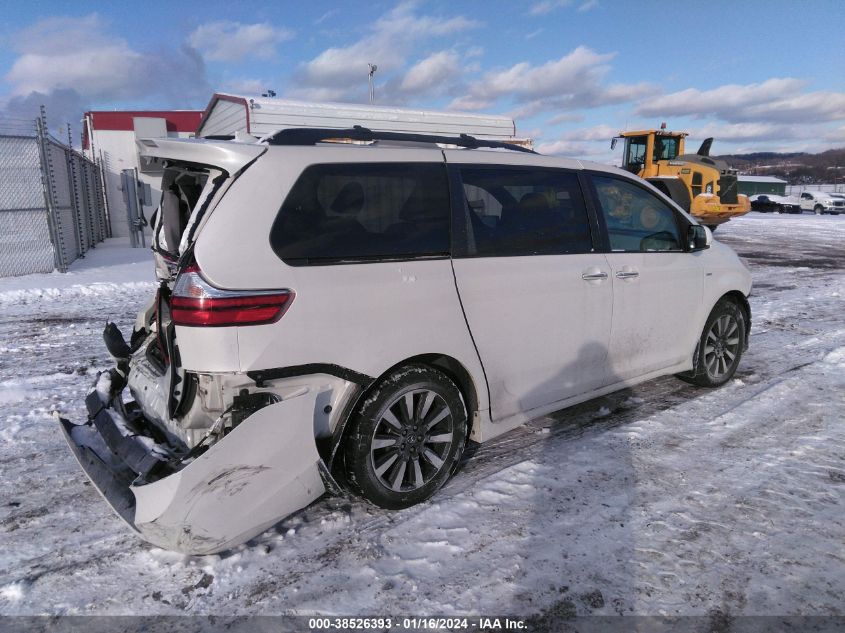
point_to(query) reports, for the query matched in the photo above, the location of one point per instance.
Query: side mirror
(699, 237)
(613, 143)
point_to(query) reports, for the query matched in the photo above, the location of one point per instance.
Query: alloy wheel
(722, 346)
(411, 440)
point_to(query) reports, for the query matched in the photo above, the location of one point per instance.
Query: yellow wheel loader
(704, 186)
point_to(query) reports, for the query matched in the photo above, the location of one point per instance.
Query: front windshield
(665, 147)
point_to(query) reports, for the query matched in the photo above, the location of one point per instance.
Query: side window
(517, 211)
(364, 211)
(635, 148)
(696, 184)
(636, 219)
(806, 196)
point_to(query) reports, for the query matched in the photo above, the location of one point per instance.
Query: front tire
(720, 347)
(818, 209)
(406, 438)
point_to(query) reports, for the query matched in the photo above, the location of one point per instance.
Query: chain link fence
(52, 205)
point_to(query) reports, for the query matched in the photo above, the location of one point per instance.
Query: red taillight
(195, 302)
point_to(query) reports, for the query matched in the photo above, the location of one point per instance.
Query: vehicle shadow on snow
(583, 547)
(577, 529)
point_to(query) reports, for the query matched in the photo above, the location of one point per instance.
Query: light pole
(373, 69)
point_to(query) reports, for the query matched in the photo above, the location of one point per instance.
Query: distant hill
(796, 167)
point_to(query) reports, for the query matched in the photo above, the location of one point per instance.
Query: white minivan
(348, 315)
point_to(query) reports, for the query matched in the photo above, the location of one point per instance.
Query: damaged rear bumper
(263, 470)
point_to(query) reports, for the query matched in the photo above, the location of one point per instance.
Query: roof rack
(312, 136)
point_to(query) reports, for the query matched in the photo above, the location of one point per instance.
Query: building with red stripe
(109, 137)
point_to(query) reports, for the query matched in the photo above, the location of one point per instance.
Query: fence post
(102, 166)
(54, 222)
(88, 170)
(75, 202)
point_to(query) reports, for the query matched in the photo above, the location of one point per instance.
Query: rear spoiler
(229, 156)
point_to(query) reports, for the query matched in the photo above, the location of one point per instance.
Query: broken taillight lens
(195, 302)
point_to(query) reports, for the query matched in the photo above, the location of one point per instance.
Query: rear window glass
(364, 212)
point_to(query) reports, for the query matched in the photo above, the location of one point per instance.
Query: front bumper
(263, 470)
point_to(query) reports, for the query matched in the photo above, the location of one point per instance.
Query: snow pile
(109, 269)
(13, 592)
(836, 357)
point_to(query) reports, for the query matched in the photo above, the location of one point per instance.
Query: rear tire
(406, 438)
(720, 347)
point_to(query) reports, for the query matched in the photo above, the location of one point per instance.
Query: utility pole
(373, 68)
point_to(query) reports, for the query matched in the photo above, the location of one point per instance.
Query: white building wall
(267, 115)
(227, 117)
(117, 150)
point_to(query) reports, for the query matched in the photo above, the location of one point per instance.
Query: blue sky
(756, 75)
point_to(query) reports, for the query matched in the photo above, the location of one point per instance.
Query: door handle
(599, 276)
(627, 274)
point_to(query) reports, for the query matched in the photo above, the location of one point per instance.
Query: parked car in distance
(820, 202)
(771, 203)
(336, 315)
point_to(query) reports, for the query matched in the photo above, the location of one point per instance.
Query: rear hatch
(196, 176)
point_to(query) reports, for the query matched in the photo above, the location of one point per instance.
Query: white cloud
(431, 75)
(590, 141)
(246, 86)
(547, 6)
(328, 14)
(595, 151)
(571, 82)
(232, 41)
(341, 72)
(589, 5)
(71, 53)
(596, 133)
(836, 136)
(562, 147)
(470, 103)
(778, 99)
(565, 117)
(71, 63)
(743, 131)
(582, 65)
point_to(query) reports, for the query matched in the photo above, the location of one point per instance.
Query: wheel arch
(448, 365)
(742, 301)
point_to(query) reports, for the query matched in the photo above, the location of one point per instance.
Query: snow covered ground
(663, 499)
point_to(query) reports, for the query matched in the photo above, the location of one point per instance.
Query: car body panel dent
(263, 470)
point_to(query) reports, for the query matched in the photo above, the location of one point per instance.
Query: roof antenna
(373, 68)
